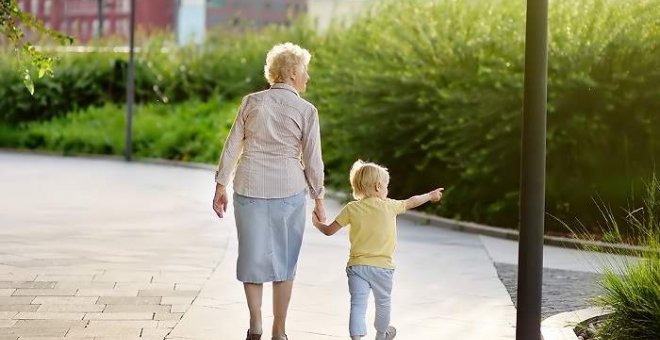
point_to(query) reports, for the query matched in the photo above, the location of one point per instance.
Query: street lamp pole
(532, 171)
(100, 18)
(130, 87)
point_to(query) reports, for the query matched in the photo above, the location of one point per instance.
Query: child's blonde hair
(365, 176)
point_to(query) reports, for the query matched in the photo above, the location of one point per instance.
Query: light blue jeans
(361, 280)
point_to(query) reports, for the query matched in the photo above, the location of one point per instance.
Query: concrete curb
(416, 216)
(562, 326)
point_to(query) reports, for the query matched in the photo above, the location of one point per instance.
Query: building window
(48, 5)
(124, 5)
(122, 27)
(34, 7)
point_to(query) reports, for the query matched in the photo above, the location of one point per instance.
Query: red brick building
(257, 13)
(80, 18)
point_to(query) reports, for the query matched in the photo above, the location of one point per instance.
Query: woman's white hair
(282, 60)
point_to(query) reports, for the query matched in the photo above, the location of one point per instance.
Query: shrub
(435, 94)
(190, 131)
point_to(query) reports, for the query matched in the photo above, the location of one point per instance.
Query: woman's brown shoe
(253, 336)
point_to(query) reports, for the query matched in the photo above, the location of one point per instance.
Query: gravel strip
(563, 290)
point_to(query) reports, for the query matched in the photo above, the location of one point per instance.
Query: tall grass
(633, 293)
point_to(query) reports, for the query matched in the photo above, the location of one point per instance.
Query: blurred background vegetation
(432, 90)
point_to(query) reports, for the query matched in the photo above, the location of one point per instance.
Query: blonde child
(372, 220)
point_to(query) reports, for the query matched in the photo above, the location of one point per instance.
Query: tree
(13, 23)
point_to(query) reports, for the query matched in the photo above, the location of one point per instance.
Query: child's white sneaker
(390, 333)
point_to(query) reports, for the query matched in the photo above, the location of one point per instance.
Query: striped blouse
(274, 145)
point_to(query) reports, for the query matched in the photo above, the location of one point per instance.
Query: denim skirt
(270, 234)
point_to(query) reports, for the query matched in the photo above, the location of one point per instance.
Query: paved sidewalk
(96, 249)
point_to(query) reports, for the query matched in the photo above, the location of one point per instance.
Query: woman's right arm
(313, 162)
(228, 159)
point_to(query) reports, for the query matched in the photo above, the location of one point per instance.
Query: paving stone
(44, 292)
(7, 323)
(127, 338)
(7, 315)
(51, 323)
(129, 300)
(16, 300)
(119, 316)
(115, 333)
(72, 300)
(18, 308)
(87, 308)
(29, 331)
(176, 300)
(65, 278)
(124, 277)
(137, 308)
(155, 332)
(179, 308)
(188, 286)
(124, 323)
(48, 316)
(167, 324)
(144, 286)
(54, 338)
(17, 277)
(27, 284)
(168, 316)
(5, 337)
(85, 285)
(7, 291)
(168, 293)
(106, 292)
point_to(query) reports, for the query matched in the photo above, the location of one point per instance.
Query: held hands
(435, 195)
(319, 210)
(220, 200)
(316, 221)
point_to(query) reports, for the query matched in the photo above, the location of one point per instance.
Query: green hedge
(190, 131)
(229, 65)
(435, 94)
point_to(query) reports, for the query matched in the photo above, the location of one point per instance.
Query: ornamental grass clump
(632, 291)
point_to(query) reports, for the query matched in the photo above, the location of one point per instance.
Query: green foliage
(633, 294)
(435, 94)
(190, 131)
(229, 65)
(634, 298)
(13, 21)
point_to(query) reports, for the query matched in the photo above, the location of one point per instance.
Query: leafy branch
(13, 23)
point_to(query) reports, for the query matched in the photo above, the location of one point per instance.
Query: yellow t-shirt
(372, 232)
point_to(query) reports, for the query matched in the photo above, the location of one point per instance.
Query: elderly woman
(274, 145)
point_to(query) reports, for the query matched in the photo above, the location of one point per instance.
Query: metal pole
(532, 183)
(100, 9)
(130, 86)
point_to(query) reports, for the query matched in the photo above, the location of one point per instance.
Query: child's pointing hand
(436, 195)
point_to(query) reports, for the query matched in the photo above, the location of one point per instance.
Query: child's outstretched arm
(416, 201)
(327, 229)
